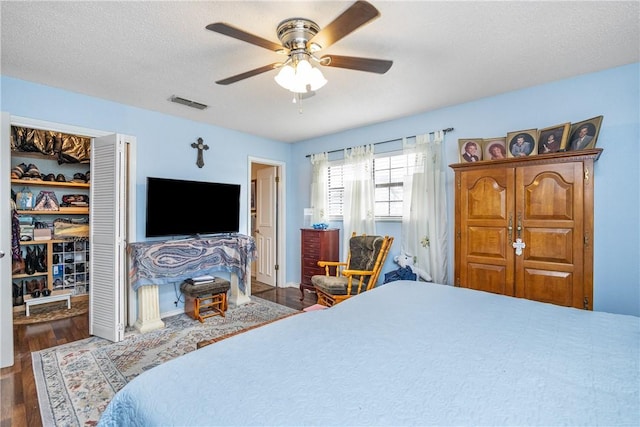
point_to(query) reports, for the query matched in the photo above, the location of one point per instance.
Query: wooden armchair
(360, 273)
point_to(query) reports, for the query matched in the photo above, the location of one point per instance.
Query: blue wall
(612, 93)
(163, 150)
(163, 145)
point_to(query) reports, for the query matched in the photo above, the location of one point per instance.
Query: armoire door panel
(489, 278)
(549, 245)
(486, 199)
(487, 242)
(548, 197)
(555, 287)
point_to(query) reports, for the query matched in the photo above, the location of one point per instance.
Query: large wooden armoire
(524, 227)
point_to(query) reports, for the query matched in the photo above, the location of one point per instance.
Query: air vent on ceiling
(188, 102)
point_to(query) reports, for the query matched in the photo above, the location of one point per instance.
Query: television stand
(155, 264)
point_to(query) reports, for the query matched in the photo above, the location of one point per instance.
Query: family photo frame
(494, 148)
(470, 150)
(522, 143)
(558, 138)
(584, 134)
(554, 138)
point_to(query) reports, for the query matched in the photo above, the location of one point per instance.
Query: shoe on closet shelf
(49, 177)
(33, 173)
(79, 178)
(18, 171)
(61, 178)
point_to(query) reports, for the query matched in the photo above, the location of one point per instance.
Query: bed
(404, 353)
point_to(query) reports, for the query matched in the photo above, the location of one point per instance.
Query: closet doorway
(111, 240)
(266, 213)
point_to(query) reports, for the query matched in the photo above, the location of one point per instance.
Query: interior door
(266, 230)
(108, 230)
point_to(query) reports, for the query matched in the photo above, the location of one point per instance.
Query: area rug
(76, 381)
(52, 311)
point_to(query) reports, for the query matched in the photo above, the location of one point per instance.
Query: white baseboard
(171, 313)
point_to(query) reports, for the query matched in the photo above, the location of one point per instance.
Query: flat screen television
(181, 208)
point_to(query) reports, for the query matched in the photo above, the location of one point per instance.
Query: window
(389, 170)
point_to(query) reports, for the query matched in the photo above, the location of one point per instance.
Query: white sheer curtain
(359, 193)
(424, 221)
(319, 178)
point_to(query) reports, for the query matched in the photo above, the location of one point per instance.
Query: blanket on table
(157, 263)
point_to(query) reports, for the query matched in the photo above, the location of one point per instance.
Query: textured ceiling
(444, 53)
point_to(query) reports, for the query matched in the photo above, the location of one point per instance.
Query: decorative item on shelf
(75, 200)
(46, 201)
(62, 147)
(26, 232)
(64, 228)
(522, 143)
(470, 149)
(320, 226)
(42, 231)
(24, 199)
(553, 138)
(494, 148)
(584, 134)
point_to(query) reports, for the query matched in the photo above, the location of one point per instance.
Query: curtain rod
(387, 141)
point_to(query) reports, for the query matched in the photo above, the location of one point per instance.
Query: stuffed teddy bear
(406, 260)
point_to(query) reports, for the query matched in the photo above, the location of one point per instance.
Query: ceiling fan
(300, 39)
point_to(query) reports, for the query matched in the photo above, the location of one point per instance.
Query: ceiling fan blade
(379, 66)
(353, 18)
(236, 33)
(250, 73)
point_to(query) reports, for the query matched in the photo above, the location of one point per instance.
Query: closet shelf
(62, 211)
(50, 183)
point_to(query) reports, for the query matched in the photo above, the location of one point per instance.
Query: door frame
(280, 241)
(6, 317)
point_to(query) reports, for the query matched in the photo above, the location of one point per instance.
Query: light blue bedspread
(406, 353)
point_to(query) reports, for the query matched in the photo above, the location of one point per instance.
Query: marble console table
(153, 264)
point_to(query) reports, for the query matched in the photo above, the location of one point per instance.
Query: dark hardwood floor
(17, 384)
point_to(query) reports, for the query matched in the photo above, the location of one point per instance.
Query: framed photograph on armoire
(522, 143)
(584, 134)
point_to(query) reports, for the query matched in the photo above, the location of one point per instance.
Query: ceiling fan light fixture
(301, 77)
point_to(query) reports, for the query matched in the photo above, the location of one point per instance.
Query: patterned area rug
(76, 381)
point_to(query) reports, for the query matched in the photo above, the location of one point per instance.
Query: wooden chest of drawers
(317, 245)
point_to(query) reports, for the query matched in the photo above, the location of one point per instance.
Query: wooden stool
(205, 299)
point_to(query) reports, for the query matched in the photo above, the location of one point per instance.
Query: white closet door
(107, 257)
(6, 304)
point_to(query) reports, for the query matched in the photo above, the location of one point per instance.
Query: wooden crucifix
(200, 146)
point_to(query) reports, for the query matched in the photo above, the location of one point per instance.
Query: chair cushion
(216, 286)
(331, 284)
(364, 252)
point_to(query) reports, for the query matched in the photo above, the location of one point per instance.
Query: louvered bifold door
(108, 238)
